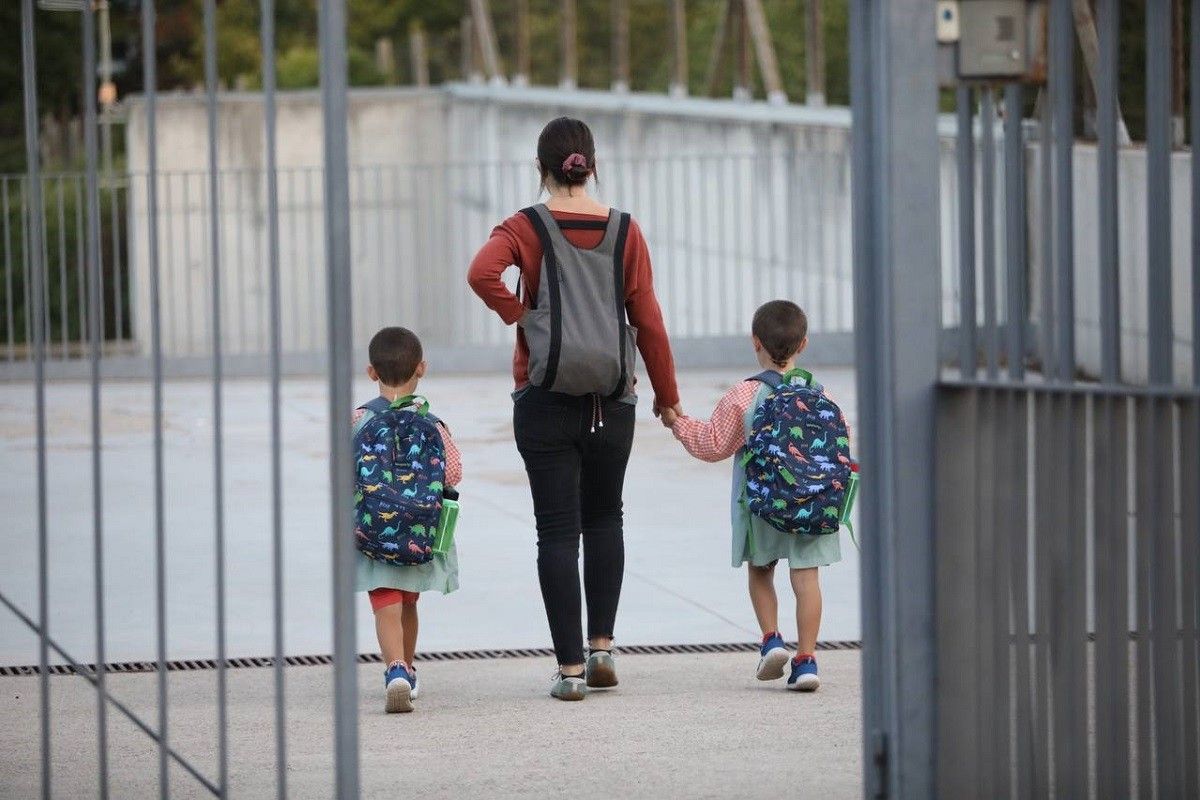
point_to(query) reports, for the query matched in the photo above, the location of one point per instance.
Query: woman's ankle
(571, 670)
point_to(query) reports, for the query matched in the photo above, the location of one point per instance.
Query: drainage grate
(193, 664)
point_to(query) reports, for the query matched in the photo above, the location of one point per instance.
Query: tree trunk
(756, 20)
(569, 77)
(679, 66)
(717, 55)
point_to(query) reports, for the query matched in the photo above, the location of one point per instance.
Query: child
(780, 334)
(396, 365)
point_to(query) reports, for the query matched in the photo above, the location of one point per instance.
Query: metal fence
(1067, 544)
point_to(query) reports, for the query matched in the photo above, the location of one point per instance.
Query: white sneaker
(774, 659)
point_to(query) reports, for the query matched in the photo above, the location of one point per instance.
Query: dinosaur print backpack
(797, 458)
(400, 471)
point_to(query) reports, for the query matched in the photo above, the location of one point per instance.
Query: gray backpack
(578, 337)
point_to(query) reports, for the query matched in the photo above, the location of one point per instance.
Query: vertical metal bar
(965, 152)
(150, 73)
(1046, 339)
(1158, 189)
(120, 285)
(1044, 531)
(986, 606)
(1112, 600)
(186, 275)
(267, 34)
(1108, 23)
(1062, 100)
(332, 35)
(37, 294)
(26, 259)
(1004, 501)
(80, 256)
(214, 230)
(1195, 142)
(1015, 229)
(63, 315)
(895, 166)
(1023, 728)
(987, 210)
(1167, 719)
(1144, 420)
(10, 331)
(95, 335)
(1189, 515)
(1071, 710)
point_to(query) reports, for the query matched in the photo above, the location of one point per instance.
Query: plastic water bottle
(447, 522)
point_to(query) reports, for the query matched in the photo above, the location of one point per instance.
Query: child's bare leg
(389, 627)
(762, 597)
(411, 625)
(808, 607)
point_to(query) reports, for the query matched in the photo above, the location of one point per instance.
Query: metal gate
(1067, 535)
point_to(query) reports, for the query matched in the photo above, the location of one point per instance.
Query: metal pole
(96, 338)
(894, 216)
(1158, 187)
(814, 55)
(1062, 101)
(987, 211)
(150, 72)
(267, 17)
(214, 220)
(964, 148)
(1108, 23)
(37, 298)
(332, 30)
(1195, 109)
(523, 49)
(1015, 228)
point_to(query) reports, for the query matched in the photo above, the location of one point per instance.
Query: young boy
(780, 334)
(396, 365)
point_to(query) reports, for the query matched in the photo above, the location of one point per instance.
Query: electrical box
(991, 41)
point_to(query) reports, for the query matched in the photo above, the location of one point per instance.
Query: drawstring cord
(597, 413)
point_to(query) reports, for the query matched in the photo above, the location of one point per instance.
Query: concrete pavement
(679, 587)
(679, 726)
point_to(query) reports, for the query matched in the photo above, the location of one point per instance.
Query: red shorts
(382, 598)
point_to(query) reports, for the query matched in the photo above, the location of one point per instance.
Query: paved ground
(679, 726)
(679, 586)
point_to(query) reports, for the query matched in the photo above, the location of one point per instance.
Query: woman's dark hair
(566, 152)
(780, 326)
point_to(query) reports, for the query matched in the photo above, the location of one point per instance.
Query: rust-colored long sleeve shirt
(514, 242)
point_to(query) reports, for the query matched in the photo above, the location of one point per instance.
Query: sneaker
(804, 676)
(774, 657)
(568, 687)
(416, 684)
(600, 670)
(398, 682)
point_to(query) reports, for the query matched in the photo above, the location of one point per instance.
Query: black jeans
(576, 468)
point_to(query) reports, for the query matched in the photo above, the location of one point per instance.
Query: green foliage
(298, 68)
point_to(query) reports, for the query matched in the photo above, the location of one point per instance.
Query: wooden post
(620, 46)
(569, 78)
(741, 41)
(678, 86)
(717, 55)
(756, 20)
(470, 70)
(418, 54)
(814, 56)
(486, 35)
(521, 78)
(1089, 43)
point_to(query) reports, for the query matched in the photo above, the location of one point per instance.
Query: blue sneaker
(398, 682)
(774, 657)
(804, 676)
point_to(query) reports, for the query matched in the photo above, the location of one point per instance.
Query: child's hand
(670, 415)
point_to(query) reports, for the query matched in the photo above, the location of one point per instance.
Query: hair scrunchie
(572, 161)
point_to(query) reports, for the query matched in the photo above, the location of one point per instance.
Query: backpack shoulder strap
(770, 377)
(373, 408)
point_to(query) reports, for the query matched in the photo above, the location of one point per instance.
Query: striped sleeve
(453, 457)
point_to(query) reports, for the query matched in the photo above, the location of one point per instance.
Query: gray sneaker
(567, 687)
(601, 670)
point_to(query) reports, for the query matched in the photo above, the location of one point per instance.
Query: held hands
(668, 416)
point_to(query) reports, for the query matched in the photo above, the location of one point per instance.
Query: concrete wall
(740, 202)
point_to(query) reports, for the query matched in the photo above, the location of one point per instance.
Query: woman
(574, 402)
